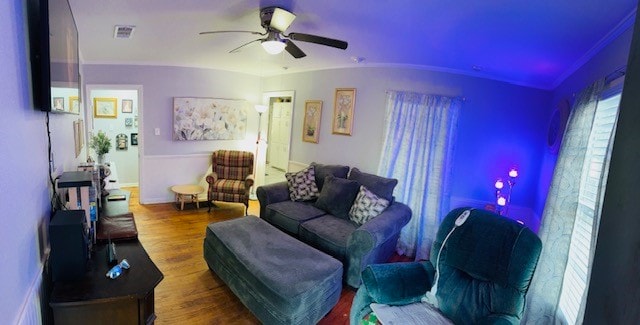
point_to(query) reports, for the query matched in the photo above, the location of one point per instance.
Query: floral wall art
(343, 107)
(209, 119)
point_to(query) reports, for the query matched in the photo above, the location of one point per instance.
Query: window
(584, 234)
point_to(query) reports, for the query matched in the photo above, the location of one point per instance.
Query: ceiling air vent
(123, 31)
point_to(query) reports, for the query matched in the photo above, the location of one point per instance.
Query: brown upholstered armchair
(232, 178)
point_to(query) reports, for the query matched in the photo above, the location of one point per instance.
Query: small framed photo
(311, 125)
(58, 103)
(134, 139)
(74, 105)
(128, 121)
(127, 106)
(105, 107)
(122, 141)
(343, 109)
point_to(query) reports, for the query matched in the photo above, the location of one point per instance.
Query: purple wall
(160, 85)
(501, 125)
(610, 58)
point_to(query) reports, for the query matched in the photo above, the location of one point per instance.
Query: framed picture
(121, 141)
(134, 139)
(209, 119)
(311, 126)
(343, 109)
(128, 121)
(127, 106)
(105, 107)
(74, 105)
(58, 103)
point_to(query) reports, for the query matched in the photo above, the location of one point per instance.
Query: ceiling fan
(275, 21)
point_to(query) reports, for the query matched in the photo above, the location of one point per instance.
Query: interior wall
(501, 126)
(126, 161)
(165, 162)
(25, 187)
(610, 58)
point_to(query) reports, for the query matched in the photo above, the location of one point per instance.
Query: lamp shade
(273, 46)
(261, 108)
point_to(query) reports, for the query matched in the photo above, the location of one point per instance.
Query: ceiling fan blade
(294, 50)
(232, 31)
(281, 19)
(237, 49)
(318, 40)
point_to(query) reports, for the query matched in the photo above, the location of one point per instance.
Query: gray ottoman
(280, 279)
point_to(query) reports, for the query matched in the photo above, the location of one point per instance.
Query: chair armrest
(398, 283)
(375, 241)
(272, 193)
(248, 182)
(499, 319)
(212, 178)
(393, 283)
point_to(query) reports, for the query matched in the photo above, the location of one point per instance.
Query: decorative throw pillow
(381, 186)
(323, 171)
(366, 206)
(337, 196)
(302, 185)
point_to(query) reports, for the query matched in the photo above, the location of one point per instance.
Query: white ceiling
(533, 43)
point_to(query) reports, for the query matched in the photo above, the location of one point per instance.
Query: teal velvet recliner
(485, 269)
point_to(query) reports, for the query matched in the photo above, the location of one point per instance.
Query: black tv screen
(54, 56)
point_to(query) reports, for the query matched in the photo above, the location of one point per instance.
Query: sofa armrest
(393, 284)
(272, 193)
(375, 241)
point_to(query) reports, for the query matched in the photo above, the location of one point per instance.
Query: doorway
(122, 126)
(279, 125)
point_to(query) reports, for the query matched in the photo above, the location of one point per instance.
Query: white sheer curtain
(571, 214)
(418, 144)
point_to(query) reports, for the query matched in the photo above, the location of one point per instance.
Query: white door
(280, 135)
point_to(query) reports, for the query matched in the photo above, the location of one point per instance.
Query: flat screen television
(54, 56)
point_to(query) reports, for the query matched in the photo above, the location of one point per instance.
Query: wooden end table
(190, 192)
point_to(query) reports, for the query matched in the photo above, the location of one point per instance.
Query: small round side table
(190, 192)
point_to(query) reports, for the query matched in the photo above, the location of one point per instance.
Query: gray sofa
(322, 222)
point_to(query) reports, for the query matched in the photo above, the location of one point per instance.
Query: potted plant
(101, 144)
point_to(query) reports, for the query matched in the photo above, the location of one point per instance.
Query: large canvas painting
(209, 119)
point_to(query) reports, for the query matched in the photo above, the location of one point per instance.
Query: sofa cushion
(366, 206)
(323, 171)
(337, 196)
(302, 185)
(381, 186)
(328, 234)
(288, 215)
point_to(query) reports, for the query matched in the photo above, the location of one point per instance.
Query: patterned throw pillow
(366, 206)
(302, 185)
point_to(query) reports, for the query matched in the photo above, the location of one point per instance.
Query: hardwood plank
(190, 292)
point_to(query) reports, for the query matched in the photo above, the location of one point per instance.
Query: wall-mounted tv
(54, 55)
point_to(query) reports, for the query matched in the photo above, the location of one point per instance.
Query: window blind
(584, 234)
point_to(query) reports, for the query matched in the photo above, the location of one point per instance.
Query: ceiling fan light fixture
(273, 46)
(281, 19)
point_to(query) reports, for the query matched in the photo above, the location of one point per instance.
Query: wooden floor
(190, 292)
